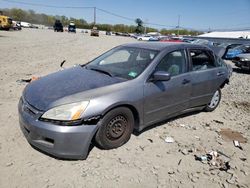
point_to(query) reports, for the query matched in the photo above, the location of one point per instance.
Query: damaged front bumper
(68, 142)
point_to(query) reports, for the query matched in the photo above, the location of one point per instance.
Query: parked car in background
(25, 24)
(242, 61)
(227, 46)
(58, 27)
(128, 88)
(33, 26)
(16, 25)
(94, 32)
(187, 40)
(72, 27)
(233, 52)
(170, 39)
(144, 37)
(5, 22)
(108, 33)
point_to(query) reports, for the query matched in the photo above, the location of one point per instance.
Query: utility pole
(178, 27)
(94, 16)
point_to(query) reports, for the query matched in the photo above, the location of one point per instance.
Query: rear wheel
(116, 128)
(214, 101)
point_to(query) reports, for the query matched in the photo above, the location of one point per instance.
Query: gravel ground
(146, 160)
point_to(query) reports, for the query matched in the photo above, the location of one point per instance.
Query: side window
(201, 60)
(174, 63)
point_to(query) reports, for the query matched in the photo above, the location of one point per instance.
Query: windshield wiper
(101, 71)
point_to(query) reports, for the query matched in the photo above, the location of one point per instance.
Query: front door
(163, 98)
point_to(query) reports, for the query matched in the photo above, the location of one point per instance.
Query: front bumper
(68, 142)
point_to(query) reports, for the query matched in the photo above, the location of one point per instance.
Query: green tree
(139, 28)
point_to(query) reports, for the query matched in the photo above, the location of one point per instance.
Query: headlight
(244, 59)
(66, 112)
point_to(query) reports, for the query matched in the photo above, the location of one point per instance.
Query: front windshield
(124, 62)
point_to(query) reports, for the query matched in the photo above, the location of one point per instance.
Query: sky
(194, 14)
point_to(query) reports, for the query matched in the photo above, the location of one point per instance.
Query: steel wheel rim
(215, 100)
(116, 127)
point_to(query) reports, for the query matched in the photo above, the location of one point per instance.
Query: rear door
(163, 98)
(206, 76)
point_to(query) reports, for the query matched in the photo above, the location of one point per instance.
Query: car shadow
(137, 133)
(241, 71)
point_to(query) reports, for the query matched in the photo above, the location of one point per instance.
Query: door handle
(220, 73)
(185, 81)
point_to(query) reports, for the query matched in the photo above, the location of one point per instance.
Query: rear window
(201, 60)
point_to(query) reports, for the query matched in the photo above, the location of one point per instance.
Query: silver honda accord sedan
(128, 88)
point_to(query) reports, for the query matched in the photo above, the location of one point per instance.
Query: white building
(228, 34)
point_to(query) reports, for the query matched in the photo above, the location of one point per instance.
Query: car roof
(159, 46)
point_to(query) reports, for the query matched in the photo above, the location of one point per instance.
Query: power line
(80, 7)
(44, 5)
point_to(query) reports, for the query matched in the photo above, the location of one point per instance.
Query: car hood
(41, 93)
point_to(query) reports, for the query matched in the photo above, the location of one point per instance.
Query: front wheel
(116, 128)
(214, 101)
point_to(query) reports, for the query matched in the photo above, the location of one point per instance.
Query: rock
(171, 171)
(121, 161)
(46, 180)
(206, 173)
(220, 174)
(169, 139)
(207, 124)
(158, 155)
(194, 180)
(196, 175)
(224, 185)
(230, 171)
(182, 125)
(219, 122)
(230, 181)
(213, 173)
(184, 151)
(244, 172)
(84, 174)
(156, 167)
(9, 164)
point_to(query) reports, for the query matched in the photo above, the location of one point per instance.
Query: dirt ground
(146, 160)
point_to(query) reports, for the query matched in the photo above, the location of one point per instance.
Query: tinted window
(201, 60)
(173, 63)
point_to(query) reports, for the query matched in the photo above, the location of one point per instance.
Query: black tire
(215, 101)
(140, 39)
(115, 128)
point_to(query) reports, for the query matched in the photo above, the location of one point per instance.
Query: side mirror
(161, 76)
